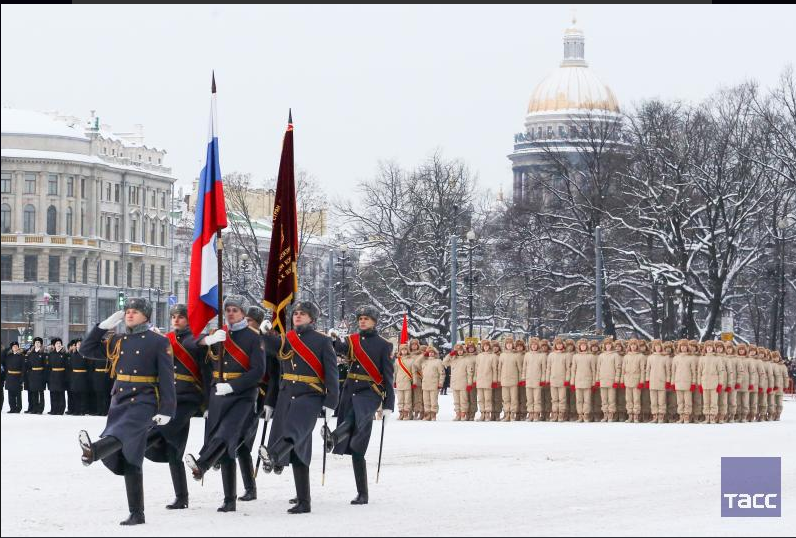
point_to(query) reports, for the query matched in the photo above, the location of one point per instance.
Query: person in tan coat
(532, 378)
(470, 353)
(646, 406)
(595, 348)
(557, 376)
(609, 370)
(684, 375)
(659, 380)
(497, 393)
(634, 370)
(461, 381)
(671, 397)
(433, 376)
(572, 411)
(723, 380)
(620, 347)
(509, 367)
(731, 362)
(547, 404)
(766, 397)
(754, 383)
(710, 374)
(698, 350)
(780, 380)
(522, 400)
(582, 379)
(416, 354)
(742, 382)
(404, 379)
(485, 378)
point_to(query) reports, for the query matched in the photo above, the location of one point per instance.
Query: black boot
(199, 467)
(99, 450)
(278, 452)
(361, 478)
(332, 438)
(247, 474)
(229, 477)
(301, 476)
(134, 482)
(180, 486)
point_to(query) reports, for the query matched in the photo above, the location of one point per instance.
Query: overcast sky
(365, 83)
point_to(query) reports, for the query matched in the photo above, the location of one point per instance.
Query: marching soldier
(58, 361)
(15, 369)
(765, 412)
(369, 384)
(658, 379)
(472, 393)
(742, 367)
(684, 373)
(36, 376)
(732, 362)
(780, 379)
(461, 381)
(509, 366)
(609, 370)
(557, 376)
(432, 376)
(78, 378)
(231, 405)
(417, 355)
(307, 384)
(723, 380)
(497, 393)
(485, 379)
(634, 370)
(534, 368)
(710, 374)
(582, 379)
(143, 395)
(403, 382)
(192, 374)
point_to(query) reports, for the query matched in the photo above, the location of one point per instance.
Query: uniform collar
(368, 332)
(242, 324)
(183, 332)
(301, 329)
(138, 328)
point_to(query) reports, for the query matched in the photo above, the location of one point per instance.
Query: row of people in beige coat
(633, 381)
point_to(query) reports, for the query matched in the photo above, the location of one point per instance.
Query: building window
(30, 183)
(152, 232)
(562, 133)
(163, 233)
(107, 272)
(52, 184)
(160, 160)
(77, 310)
(129, 275)
(573, 131)
(143, 229)
(162, 276)
(107, 307)
(82, 223)
(133, 230)
(31, 268)
(108, 227)
(143, 271)
(549, 131)
(85, 270)
(116, 274)
(55, 269)
(29, 220)
(68, 221)
(5, 182)
(83, 187)
(163, 200)
(52, 220)
(72, 276)
(108, 191)
(15, 306)
(70, 185)
(154, 195)
(116, 229)
(116, 192)
(5, 220)
(152, 276)
(6, 262)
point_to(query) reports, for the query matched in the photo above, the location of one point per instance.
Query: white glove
(205, 414)
(161, 420)
(268, 412)
(385, 414)
(223, 389)
(218, 336)
(155, 330)
(333, 333)
(113, 320)
(327, 412)
(265, 325)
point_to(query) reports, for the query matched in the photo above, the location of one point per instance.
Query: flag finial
(290, 115)
(213, 85)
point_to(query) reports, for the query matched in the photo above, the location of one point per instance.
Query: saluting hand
(112, 320)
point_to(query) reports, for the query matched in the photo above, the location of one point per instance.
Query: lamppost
(470, 244)
(343, 261)
(244, 268)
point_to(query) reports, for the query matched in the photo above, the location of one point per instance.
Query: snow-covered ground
(440, 477)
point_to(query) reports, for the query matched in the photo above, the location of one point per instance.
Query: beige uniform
(771, 405)
(534, 369)
(404, 379)
(754, 386)
(659, 377)
(609, 372)
(461, 383)
(558, 371)
(710, 373)
(485, 379)
(742, 387)
(509, 367)
(634, 367)
(472, 394)
(698, 399)
(684, 379)
(762, 391)
(778, 390)
(417, 389)
(433, 376)
(725, 383)
(731, 362)
(583, 378)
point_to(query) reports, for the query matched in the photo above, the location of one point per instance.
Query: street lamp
(343, 261)
(470, 244)
(244, 268)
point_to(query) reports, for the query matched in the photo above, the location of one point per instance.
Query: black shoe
(250, 495)
(228, 506)
(300, 508)
(361, 479)
(85, 445)
(229, 478)
(178, 504)
(136, 518)
(328, 438)
(268, 465)
(278, 469)
(361, 498)
(196, 471)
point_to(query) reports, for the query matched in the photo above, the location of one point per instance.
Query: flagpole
(219, 249)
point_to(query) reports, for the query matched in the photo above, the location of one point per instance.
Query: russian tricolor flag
(211, 218)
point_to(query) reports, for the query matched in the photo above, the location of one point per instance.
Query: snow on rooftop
(15, 121)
